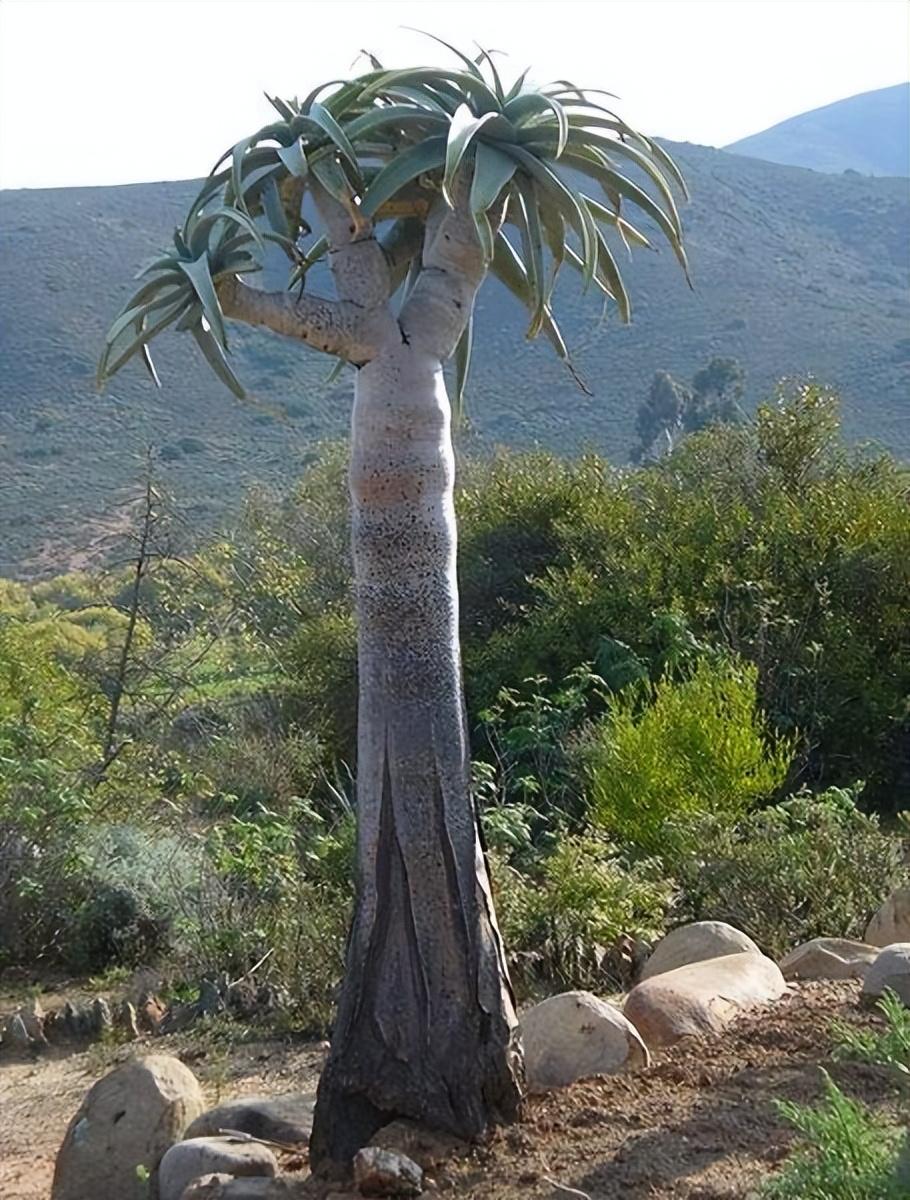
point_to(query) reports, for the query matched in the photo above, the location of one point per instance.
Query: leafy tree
(716, 392)
(660, 418)
(671, 408)
(425, 181)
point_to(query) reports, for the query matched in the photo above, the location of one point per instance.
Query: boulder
(15, 1033)
(828, 958)
(703, 997)
(125, 1019)
(127, 1120)
(187, 1160)
(891, 923)
(576, 1035)
(380, 1172)
(695, 943)
(287, 1119)
(226, 1187)
(207, 1187)
(102, 1017)
(890, 970)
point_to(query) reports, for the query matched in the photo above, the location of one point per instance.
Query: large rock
(891, 923)
(703, 997)
(287, 1119)
(574, 1036)
(890, 971)
(187, 1160)
(380, 1172)
(226, 1187)
(126, 1121)
(696, 943)
(828, 958)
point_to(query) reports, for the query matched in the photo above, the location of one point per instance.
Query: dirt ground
(699, 1124)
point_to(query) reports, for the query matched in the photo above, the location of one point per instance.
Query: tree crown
(384, 148)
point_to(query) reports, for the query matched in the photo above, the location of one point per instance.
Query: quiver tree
(424, 182)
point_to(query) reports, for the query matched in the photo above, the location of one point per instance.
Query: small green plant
(888, 1047)
(562, 920)
(848, 1152)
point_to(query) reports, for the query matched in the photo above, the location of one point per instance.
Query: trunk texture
(426, 1027)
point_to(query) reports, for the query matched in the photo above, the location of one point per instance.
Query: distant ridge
(794, 271)
(868, 133)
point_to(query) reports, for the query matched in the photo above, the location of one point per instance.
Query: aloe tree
(424, 182)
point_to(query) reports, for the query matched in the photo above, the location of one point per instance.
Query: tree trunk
(426, 1026)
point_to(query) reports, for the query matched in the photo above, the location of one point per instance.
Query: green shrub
(885, 1047)
(562, 922)
(527, 734)
(813, 866)
(696, 748)
(849, 1153)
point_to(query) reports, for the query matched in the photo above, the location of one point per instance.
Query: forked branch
(338, 327)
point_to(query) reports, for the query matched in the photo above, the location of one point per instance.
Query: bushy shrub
(813, 866)
(563, 921)
(665, 757)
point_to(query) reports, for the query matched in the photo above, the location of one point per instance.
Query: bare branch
(338, 327)
(356, 260)
(438, 308)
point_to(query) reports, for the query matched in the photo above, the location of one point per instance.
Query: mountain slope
(869, 133)
(794, 272)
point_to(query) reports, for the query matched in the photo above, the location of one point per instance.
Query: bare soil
(699, 1124)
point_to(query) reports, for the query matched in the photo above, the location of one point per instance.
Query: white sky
(117, 91)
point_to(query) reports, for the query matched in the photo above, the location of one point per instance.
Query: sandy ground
(697, 1125)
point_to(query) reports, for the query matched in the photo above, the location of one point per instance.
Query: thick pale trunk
(426, 1026)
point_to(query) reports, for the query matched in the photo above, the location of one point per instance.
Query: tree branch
(356, 260)
(438, 308)
(339, 327)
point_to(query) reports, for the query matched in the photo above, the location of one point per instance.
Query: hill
(869, 133)
(794, 272)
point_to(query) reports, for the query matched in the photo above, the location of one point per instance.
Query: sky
(122, 91)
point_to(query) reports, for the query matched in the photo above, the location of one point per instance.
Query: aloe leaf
(624, 228)
(281, 107)
(470, 65)
(149, 365)
(216, 360)
(628, 188)
(487, 57)
(464, 127)
(106, 368)
(294, 159)
(463, 365)
(274, 209)
(135, 312)
(200, 277)
(492, 171)
(416, 160)
(515, 89)
(393, 116)
(532, 246)
(554, 189)
(324, 119)
(456, 83)
(200, 230)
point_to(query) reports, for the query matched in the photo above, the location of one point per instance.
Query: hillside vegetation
(686, 690)
(794, 272)
(869, 133)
